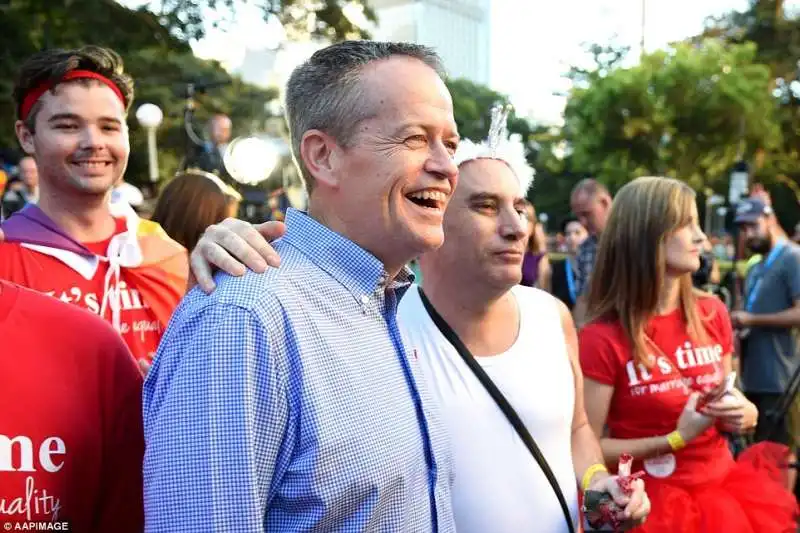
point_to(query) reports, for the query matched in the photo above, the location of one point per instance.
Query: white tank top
(498, 486)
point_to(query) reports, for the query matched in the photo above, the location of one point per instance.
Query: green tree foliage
(687, 112)
(551, 153)
(326, 19)
(776, 34)
(472, 105)
(556, 175)
(31, 25)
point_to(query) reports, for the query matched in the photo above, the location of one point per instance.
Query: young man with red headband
(76, 245)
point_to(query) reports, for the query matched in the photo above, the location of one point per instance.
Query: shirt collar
(360, 272)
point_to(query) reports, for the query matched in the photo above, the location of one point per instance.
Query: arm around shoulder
(216, 414)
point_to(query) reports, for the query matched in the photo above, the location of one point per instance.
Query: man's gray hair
(591, 187)
(324, 92)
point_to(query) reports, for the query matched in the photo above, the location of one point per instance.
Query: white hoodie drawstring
(111, 292)
(123, 252)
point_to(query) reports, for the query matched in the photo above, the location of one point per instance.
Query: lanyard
(762, 270)
(570, 280)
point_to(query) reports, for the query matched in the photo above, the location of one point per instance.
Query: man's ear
(25, 137)
(320, 153)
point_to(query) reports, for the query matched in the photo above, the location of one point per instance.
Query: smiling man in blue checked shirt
(287, 401)
(523, 338)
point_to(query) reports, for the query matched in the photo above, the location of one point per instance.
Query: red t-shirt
(71, 442)
(139, 327)
(648, 402)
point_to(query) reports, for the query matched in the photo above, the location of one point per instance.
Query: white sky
(533, 41)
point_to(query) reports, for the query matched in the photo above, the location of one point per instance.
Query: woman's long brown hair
(189, 204)
(630, 268)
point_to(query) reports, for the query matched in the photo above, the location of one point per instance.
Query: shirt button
(365, 299)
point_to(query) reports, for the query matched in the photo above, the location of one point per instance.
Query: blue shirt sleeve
(216, 414)
(793, 272)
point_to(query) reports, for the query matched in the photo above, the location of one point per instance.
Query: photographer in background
(210, 155)
(709, 277)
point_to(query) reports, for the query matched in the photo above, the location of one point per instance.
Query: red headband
(34, 94)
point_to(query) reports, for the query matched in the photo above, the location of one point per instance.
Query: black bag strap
(501, 401)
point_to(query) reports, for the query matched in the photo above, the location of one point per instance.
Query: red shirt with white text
(647, 402)
(71, 442)
(139, 327)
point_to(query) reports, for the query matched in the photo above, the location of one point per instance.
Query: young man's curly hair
(50, 66)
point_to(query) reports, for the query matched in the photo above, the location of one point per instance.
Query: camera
(702, 276)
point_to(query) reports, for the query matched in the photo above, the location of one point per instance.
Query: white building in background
(268, 67)
(459, 30)
(258, 67)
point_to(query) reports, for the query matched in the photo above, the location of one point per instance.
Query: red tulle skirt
(752, 498)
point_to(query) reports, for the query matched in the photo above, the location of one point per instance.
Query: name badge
(661, 466)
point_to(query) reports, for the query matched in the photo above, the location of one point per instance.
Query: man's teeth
(429, 195)
(91, 164)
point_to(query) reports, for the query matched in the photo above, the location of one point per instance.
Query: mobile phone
(592, 516)
(724, 387)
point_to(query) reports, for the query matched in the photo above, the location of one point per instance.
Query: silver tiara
(498, 129)
(501, 146)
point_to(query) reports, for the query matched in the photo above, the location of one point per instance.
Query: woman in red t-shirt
(652, 347)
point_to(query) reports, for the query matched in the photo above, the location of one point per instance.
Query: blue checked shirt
(287, 402)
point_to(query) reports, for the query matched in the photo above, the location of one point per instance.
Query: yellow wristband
(589, 474)
(676, 441)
